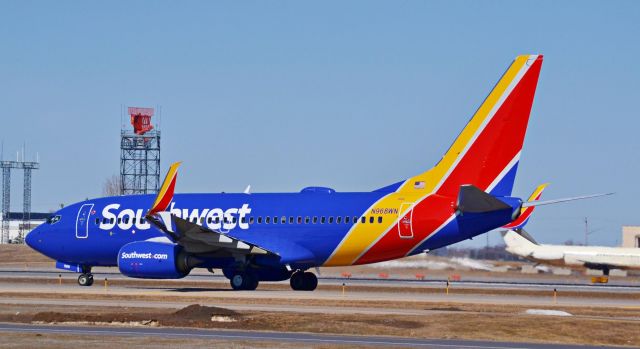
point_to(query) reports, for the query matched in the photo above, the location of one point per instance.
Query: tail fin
(487, 151)
(525, 212)
(519, 242)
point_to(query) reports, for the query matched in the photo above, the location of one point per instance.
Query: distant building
(631, 236)
(16, 224)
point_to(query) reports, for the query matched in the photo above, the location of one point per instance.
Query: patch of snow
(426, 264)
(472, 264)
(547, 312)
(145, 323)
(543, 268)
(217, 318)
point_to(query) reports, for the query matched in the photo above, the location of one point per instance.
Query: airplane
(257, 237)
(604, 258)
(520, 243)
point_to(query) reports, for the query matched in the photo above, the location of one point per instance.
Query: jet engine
(154, 260)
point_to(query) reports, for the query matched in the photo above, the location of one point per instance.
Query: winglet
(165, 195)
(525, 212)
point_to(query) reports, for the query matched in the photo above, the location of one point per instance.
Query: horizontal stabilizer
(473, 200)
(557, 201)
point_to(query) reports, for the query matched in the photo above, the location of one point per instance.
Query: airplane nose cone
(32, 238)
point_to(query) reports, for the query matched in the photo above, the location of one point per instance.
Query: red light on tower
(141, 119)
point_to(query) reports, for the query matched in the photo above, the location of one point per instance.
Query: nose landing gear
(86, 278)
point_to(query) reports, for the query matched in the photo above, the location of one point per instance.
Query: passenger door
(82, 221)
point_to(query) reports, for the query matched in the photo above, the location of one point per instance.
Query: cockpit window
(53, 219)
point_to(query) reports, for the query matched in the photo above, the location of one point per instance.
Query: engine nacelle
(153, 260)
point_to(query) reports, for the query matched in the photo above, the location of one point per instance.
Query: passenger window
(104, 221)
(290, 219)
(209, 219)
(112, 221)
(283, 219)
(142, 221)
(250, 220)
(125, 220)
(201, 220)
(355, 220)
(379, 219)
(363, 219)
(322, 219)
(315, 220)
(306, 220)
(133, 220)
(338, 219)
(371, 219)
(346, 219)
(119, 220)
(97, 221)
(330, 219)
(260, 220)
(267, 220)
(244, 219)
(217, 220)
(299, 220)
(275, 220)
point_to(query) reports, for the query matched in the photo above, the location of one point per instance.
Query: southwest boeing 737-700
(280, 236)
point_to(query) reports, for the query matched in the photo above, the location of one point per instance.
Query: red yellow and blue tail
(485, 154)
(487, 151)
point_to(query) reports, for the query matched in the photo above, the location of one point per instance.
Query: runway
(496, 282)
(279, 337)
(215, 289)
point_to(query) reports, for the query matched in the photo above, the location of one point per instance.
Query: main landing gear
(86, 278)
(303, 281)
(244, 281)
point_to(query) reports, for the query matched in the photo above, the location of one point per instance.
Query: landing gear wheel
(85, 280)
(252, 282)
(237, 280)
(303, 281)
(243, 281)
(297, 281)
(310, 281)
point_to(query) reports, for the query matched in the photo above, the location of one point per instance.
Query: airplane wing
(200, 240)
(193, 237)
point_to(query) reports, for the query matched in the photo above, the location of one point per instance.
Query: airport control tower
(140, 154)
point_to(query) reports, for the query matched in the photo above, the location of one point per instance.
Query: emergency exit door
(405, 227)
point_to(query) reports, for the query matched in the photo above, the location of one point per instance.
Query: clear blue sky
(353, 95)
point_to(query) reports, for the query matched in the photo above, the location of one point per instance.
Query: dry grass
(469, 307)
(13, 340)
(21, 255)
(458, 324)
